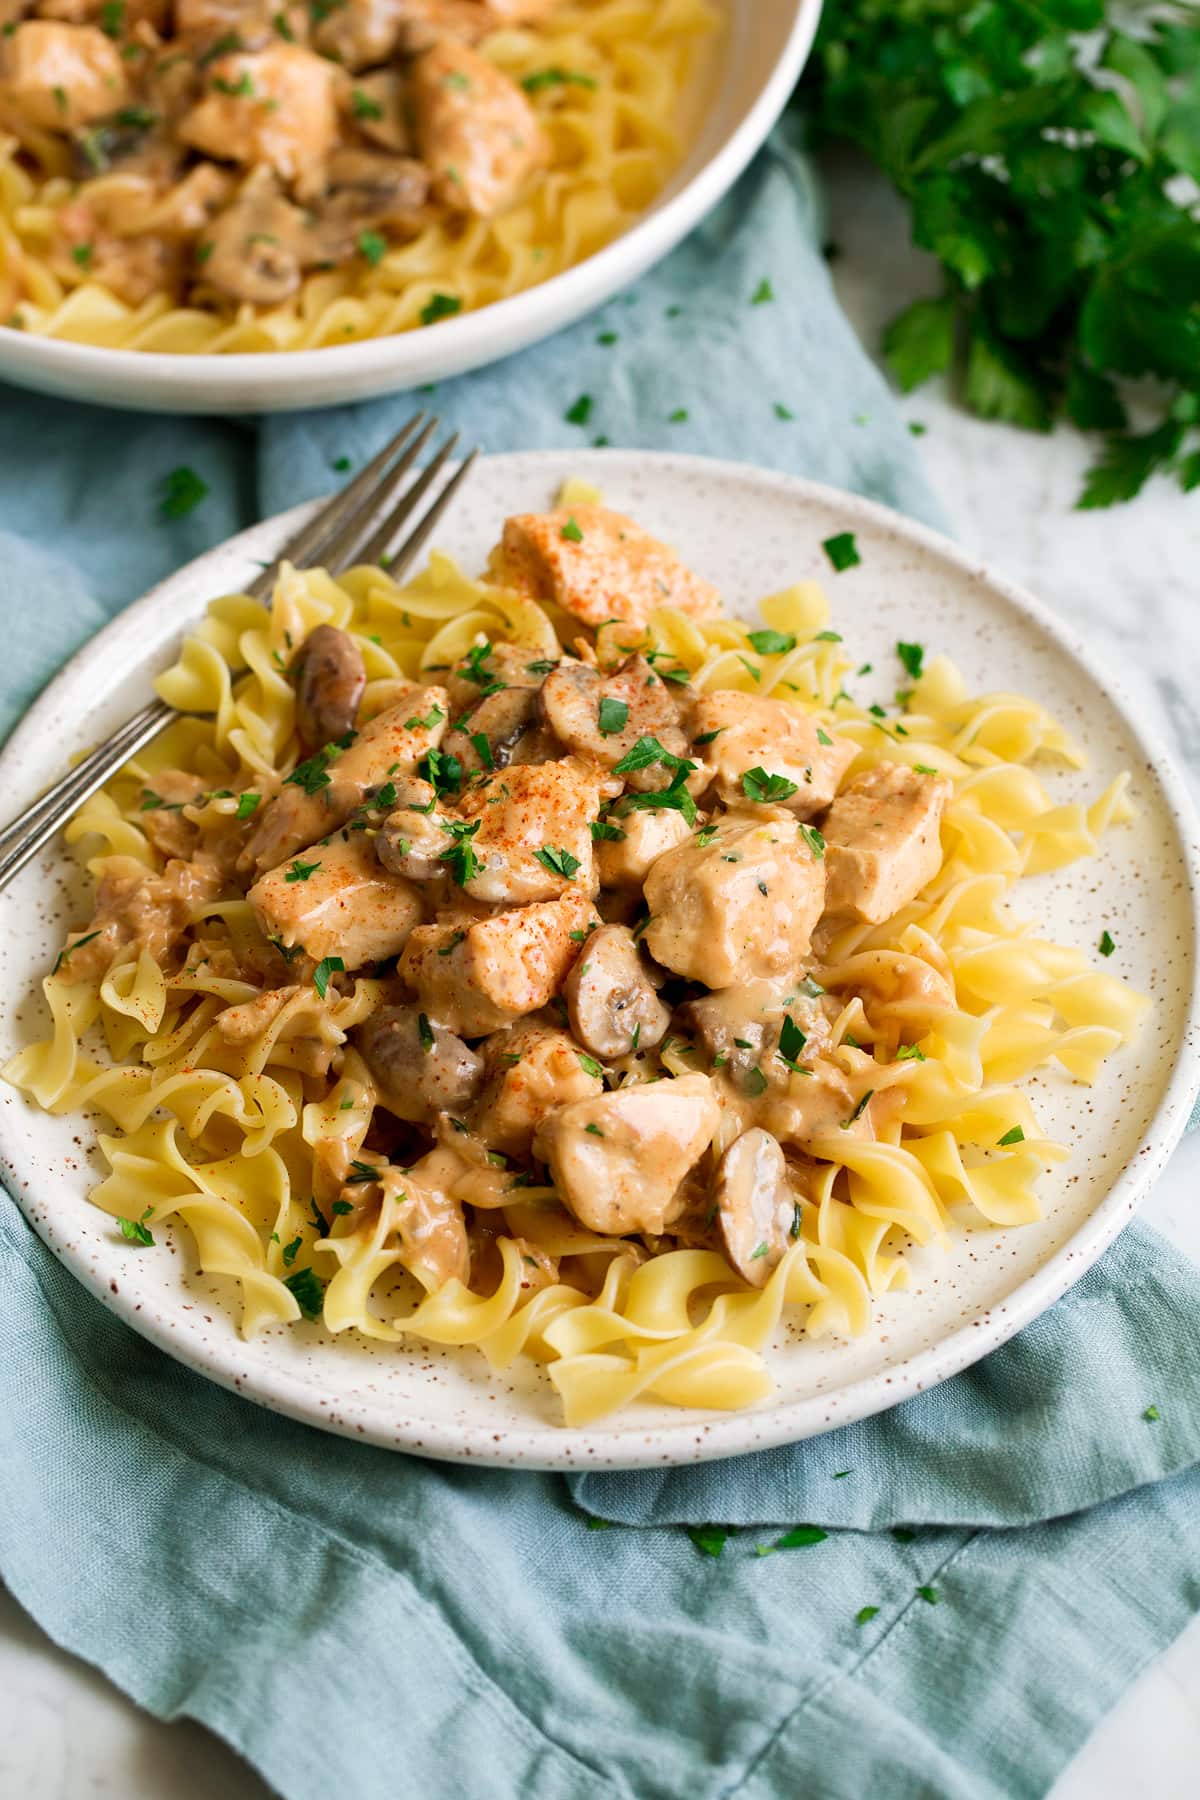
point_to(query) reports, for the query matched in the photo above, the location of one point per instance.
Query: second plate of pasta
(774, 905)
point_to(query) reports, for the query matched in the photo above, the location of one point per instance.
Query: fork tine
(359, 496)
(403, 560)
(344, 549)
(407, 507)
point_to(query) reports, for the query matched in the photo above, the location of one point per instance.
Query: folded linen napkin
(356, 1620)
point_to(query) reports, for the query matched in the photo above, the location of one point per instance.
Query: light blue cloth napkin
(371, 1625)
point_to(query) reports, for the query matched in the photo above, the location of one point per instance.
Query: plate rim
(393, 363)
(693, 1439)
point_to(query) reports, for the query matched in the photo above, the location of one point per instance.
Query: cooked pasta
(555, 1081)
(190, 211)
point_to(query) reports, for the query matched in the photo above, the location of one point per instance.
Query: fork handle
(25, 836)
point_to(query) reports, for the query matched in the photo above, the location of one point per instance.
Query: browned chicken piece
(882, 841)
(499, 730)
(486, 668)
(179, 210)
(421, 1069)
(619, 1162)
(598, 565)
(360, 33)
(739, 905)
(476, 130)
(57, 76)
(160, 811)
(321, 794)
(136, 911)
(429, 1221)
(530, 1070)
(274, 106)
(739, 1028)
(477, 975)
(601, 716)
(611, 996)
(250, 21)
(776, 737)
(132, 268)
(336, 900)
(255, 249)
(532, 832)
(329, 677)
(626, 860)
(91, 12)
(757, 1209)
(428, 22)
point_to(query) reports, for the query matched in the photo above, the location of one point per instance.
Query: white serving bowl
(761, 59)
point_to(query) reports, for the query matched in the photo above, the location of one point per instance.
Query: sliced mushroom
(413, 837)
(756, 1208)
(254, 250)
(610, 996)
(367, 188)
(330, 678)
(421, 1069)
(602, 716)
(488, 667)
(510, 722)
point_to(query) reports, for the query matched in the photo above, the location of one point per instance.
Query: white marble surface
(1129, 577)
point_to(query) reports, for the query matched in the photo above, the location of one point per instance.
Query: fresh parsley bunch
(1051, 158)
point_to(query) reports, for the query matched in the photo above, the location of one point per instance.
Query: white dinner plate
(751, 532)
(758, 65)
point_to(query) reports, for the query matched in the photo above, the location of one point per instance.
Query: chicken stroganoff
(226, 174)
(553, 964)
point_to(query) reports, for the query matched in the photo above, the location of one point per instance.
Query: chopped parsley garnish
(1152, 1415)
(307, 1292)
(865, 1614)
(710, 737)
(782, 411)
(290, 1252)
(440, 306)
(571, 530)
(678, 417)
(754, 674)
(705, 836)
(112, 17)
(580, 411)
(824, 738)
(1015, 1136)
(342, 1207)
(589, 1065)
(300, 871)
(433, 717)
(670, 799)
(460, 856)
(791, 1042)
(912, 656)
(910, 1053)
(814, 840)
(82, 254)
(757, 785)
(442, 771)
(595, 1130)
(924, 769)
(362, 1171)
(425, 1032)
(328, 965)
(241, 89)
(929, 1595)
(183, 490)
(603, 828)
(559, 862)
(762, 293)
(772, 643)
(859, 1110)
(312, 774)
(754, 1082)
(607, 338)
(648, 751)
(64, 953)
(248, 804)
(613, 715)
(543, 666)
(136, 1230)
(1107, 944)
(556, 77)
(373, 246)
(841, 550)
(452, 944)
(759, 1250)
(711, 1539)
(800, 1537)
(483, 749)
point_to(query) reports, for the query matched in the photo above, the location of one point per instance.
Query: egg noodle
(617, 131)
(232, 1138)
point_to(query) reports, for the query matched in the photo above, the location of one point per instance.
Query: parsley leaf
(1107, 944)
(772, 643)
(613, 716)
(559, 862)
(571, 530)
(912, 656)
(300, 871)
(440, 306)
(307, 1291)
(1015, 1136)
(842, 550)
(791, 1042)
(580, 412)
(247, 805)
(711, 1539)
(136, 1230)
(328, 965)
(589, 1065)
(758, 786)
(183, 490)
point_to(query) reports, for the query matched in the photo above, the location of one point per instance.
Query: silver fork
(349, 530)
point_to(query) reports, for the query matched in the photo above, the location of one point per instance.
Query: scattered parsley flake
(300, 871)
(1152, 1415)
(711, 1539)
(791, 1042)
(865, 1614)
(328, 965)
(307, 1292)
(571, 530)
(604, 829)
(425, 1032)
(923, 769)
(559, 862)
(762, 293)
(580, 411)
(183, 490)
(765, 789)
(859, 1110)
(373, 246)
(1015, 1136)
(440, 306)
(910, 1053)
(782, 411)
(247, 805)
(772, 643)
(912, 656)
(136, 1230)
(929, 1595)
(589, 1065)
(613, 716)
(556, 77)
(754, 1082)
(814, 840)
(1107, 944)
(842, 550)
(801, 1537)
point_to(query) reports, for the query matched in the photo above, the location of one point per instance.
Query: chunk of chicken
(133, 268)
(882, 841)
(774, 736)
(477, 132)
(136, 911)
(336, 900)
(740, 904)
(476, 975)
(274, 106)
(611, 998)
(532, 1069)
(598, 565)
(619, 1161)
(499, 730)
(160, 814)
(600, 717)
(625, 861)
(429, 1220)
(421, 1069)
(330, 678)
(532, 832)
(57, 76)
(321, 794)
(757, 1210)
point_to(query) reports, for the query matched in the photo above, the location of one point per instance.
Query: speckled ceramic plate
(751, 532)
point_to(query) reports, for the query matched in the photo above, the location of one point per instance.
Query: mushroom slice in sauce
(756, 1208)
(509, 722)
(413, 838)
(330, 678)
(610, 996)
(600, 717)
(420, 1068)
(255, 249)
